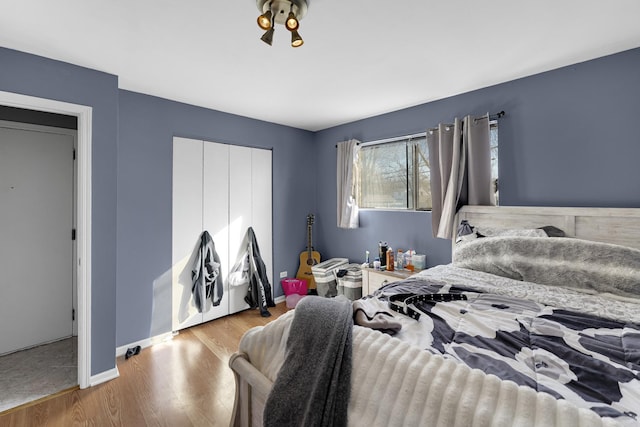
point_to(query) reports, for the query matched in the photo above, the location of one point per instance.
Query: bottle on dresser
(390, 260)
(407, 260)
(400, 260)
(382, 252)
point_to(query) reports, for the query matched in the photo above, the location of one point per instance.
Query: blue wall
(44, 78)
(147, 127)
(569, 138)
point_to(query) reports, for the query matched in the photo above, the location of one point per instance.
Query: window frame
(414, 191)
(411, 192)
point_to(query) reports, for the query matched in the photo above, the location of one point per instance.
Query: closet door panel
(186, 228)
(216, 214)
(261, 209)
(239, 214)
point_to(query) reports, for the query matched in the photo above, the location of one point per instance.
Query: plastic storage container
(350, 283)
(419, 261)
(294, 286)
(293, 299)
(325, 277)
(295, 290)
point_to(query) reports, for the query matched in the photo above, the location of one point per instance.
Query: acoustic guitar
(308, 258)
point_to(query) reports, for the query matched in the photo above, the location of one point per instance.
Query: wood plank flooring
(184, 382)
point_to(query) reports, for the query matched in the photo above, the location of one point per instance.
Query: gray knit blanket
(313, 385)
(568, 262)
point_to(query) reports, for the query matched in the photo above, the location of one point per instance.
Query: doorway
(37, 249)
(82, 212)
(36, 252)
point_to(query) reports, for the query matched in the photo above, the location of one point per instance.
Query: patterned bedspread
(562, 349)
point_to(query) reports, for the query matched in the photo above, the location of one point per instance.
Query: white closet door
(223, 189)
(249, 206)
(261, 209)
(216, 214)
(186, 227)
(240, 214)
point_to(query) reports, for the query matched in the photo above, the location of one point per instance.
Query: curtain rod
(494, 116)
(357, 143)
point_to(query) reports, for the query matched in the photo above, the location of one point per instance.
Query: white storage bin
(325, 277)
(350, 284)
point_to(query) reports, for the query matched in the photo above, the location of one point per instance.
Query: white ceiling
(360, 58)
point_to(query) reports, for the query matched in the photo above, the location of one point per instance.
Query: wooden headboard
(620, 226)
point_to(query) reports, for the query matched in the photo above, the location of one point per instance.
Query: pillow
(468, 232)
(574, 263)
(513, 232)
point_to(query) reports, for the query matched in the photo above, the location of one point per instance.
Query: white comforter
(397, 384)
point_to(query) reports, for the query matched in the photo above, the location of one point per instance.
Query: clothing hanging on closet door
(205, 275)
(250, 268)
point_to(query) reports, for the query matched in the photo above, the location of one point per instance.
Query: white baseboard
(104, 377)
(121, 351)
(147, 342)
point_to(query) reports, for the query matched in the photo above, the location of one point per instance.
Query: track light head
(267, 37)
(296, 40)
(264, 20)
(292, 23)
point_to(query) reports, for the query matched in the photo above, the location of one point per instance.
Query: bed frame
(252, 389)
(619, 226)
(609, 225)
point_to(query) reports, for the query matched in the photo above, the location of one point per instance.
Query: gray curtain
(460, 164)
(345, 179)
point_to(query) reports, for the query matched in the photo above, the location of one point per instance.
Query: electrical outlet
(283, 274)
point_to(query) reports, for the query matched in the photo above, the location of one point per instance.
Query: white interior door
(186, 228)
(36, 221)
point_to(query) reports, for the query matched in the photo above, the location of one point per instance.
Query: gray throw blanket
(575, 263)
(314, 383)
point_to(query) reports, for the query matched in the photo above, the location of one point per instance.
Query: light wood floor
(183, 382)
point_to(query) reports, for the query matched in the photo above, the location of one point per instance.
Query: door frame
(83, 214)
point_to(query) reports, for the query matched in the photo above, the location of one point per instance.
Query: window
(395, 174)
(493, 134)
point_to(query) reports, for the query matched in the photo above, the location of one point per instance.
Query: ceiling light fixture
(283, 12)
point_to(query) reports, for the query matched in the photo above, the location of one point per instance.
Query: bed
(521, 329)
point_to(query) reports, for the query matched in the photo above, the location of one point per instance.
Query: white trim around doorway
(83, 215)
